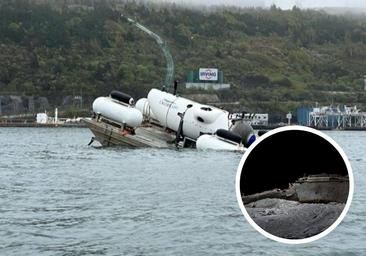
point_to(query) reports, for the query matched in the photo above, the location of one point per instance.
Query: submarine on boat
(164, 119)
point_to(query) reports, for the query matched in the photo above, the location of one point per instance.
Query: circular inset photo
(294, 184)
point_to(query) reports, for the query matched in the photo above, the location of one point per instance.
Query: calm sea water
(59, 196)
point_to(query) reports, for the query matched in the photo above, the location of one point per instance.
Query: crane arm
(163, 46)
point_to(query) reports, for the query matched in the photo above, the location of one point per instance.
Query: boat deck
(144, 136)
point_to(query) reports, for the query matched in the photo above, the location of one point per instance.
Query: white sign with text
(208, 74)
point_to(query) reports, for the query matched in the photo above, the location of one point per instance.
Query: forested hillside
(275, 60)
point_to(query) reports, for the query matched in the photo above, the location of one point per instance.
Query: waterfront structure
(329, 117)
(42, 118)
(257, 119)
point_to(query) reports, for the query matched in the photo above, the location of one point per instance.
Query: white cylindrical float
(143, 106)
(117, 112)
(212, 142)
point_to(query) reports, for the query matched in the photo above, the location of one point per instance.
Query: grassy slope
(275, 60)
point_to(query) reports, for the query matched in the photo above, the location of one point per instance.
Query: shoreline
(83, 125)
(271, 127)
(36, 125)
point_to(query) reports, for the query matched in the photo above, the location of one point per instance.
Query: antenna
(163, 46)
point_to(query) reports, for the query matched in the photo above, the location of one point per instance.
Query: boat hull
(144, 136)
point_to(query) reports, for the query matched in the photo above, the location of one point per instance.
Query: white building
(42, 118)
(257, 119)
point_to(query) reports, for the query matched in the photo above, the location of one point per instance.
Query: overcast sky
(284, 4)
